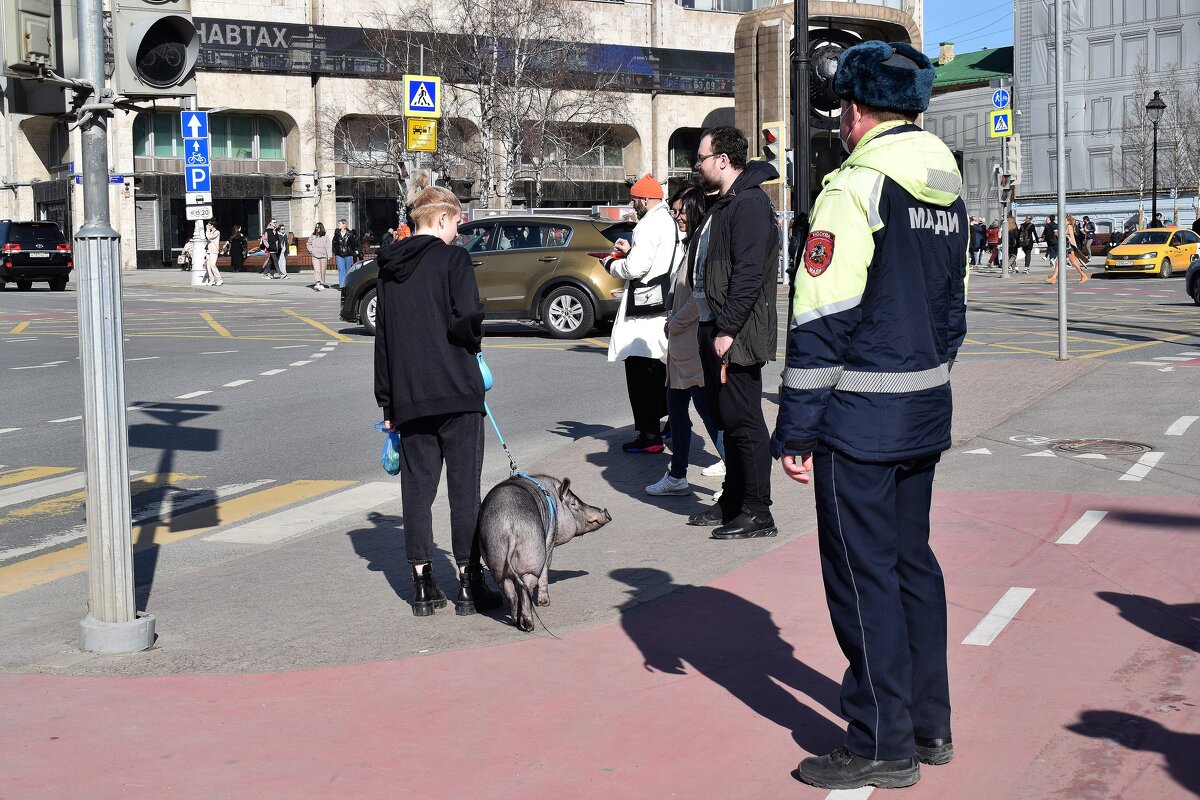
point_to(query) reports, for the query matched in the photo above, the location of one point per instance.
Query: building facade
(275, 72)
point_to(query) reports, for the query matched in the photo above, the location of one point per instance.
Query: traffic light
(825, 48)
(774, 140)
(155, 47)
(28, 36)
(1013, 153)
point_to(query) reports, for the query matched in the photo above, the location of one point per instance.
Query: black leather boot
(424, 590)
(474, 593)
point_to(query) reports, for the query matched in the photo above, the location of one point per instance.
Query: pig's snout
(607, 516)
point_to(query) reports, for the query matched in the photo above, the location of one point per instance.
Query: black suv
(34, 251)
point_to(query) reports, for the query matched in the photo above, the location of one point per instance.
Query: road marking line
(1146, 363)
(310, 516)
(288, 346)
(998, 618)
(45, 488)
(1139, 345)
(317, 325)
(1041, 454)
(1082, 527)
(143, 358)
(1093, 456)
(1142, 468)
(66, 419)
(861, 793)
(235, 384)
(1178, 427)
(983, 451)
(217, 352)
(332, 344)
(72, 560)
(1173, 358)
(190, 395)
(41, 366)
(8, 430)
(64, 503)
(23, 474)
(166, 507)
(317, 355)
(327, 349)
(216, 326)
(299, 363)
(1193, 355)
(272, 372)
(20, 326)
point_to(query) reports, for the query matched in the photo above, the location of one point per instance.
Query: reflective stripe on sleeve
(891, 382)
(817, 378)
(826, 310)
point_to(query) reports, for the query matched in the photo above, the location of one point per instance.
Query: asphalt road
(260, 383)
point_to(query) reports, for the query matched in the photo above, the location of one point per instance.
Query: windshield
(1148, 237)
(31, 233)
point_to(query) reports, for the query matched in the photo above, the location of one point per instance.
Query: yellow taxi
(1153, 251)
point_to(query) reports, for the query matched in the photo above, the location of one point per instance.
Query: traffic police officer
(877, 316)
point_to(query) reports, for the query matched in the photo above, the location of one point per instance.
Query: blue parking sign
(197, 179)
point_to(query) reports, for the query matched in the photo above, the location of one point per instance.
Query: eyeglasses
(676, 213)
(701, 159)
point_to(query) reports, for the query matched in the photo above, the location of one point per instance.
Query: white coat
(654, 238)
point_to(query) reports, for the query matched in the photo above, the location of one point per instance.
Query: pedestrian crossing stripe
(36, 570)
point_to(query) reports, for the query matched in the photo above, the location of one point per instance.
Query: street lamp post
(1154, 110)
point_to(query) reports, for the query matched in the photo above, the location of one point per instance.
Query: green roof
(979, 67)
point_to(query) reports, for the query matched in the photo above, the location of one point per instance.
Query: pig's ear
(564, 488)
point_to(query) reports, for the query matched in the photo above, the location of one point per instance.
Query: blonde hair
(420, 183)
(432, 203)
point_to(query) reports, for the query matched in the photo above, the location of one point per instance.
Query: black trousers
(738, 405)
(886, 598)
(646, 379)
(426, 442)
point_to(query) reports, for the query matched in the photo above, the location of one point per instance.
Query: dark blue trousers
(887, 600)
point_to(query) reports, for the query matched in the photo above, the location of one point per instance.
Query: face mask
(842, 137)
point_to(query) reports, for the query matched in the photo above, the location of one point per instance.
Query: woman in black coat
(429, 328)
(237, 249)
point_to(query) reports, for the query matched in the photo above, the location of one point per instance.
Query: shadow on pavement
(735, 644)
(1158, 520)
(1178, 624)
(1145, 735)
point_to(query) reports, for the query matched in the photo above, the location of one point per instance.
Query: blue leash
(514, 471)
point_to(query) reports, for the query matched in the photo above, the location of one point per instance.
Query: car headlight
(1152, 254)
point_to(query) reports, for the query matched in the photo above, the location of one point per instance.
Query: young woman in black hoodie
(429, 327)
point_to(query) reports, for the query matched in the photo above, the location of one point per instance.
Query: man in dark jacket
(429, 328)
(732, 267)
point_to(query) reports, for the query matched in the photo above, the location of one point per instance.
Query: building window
(1101, 16)
(971, 128)
(1168, 50)
(1133, 54)
(1102, 114)
(950, 130)
(156, 135)
(1168, 8)
(1100, 58)
(1135, 11)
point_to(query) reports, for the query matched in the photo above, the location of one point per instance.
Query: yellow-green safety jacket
(878, 304)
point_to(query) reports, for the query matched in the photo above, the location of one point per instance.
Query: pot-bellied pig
(518, 540)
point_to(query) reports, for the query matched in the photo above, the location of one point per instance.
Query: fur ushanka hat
(890, 76)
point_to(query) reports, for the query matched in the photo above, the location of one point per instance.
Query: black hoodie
(429, 326)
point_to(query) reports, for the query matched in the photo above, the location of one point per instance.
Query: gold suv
(532, 267)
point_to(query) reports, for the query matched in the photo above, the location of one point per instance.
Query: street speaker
(155, 47)
(26, 36)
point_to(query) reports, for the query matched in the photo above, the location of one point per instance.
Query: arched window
(233, 136)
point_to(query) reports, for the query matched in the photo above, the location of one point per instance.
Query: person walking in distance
(320, 250)
(1088, 230)
(878, 314)
(212, 250)
(685, 372)
(733, 266)
(1074, 256)
(345, 245)
(1027, 237)
(272, 243)
(237, 249)
(427, 381)
(638, 336)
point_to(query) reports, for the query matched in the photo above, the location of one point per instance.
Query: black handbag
(649, 298)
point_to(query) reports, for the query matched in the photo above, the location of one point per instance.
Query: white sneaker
(669, 485)
(714, 470)
(220, 283)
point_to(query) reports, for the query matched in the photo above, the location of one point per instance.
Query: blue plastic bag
(485, 371)
(389, 456)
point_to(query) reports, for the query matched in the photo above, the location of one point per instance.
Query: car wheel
(58, 285)
(1165, 272)
(366, 311)
(24, 286)
(567, 313)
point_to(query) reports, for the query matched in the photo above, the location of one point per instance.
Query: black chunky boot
(424, 590)
(474, 594)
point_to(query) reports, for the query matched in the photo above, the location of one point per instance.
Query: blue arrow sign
(194, 124)
(1000, 98)
(195, 152)
(197, 179)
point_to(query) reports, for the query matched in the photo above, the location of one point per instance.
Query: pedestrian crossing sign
(1000, 123)
(423, 96)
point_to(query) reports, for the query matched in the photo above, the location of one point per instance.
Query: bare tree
(1178, 150)
(1132, 171)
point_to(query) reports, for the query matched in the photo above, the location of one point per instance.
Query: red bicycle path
(713, 691)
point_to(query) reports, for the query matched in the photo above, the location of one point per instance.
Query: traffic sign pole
(197, 179)
(112, 624)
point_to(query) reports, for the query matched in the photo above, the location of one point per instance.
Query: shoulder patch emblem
(818, 252)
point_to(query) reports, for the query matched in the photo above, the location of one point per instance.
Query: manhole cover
(1106, 447)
